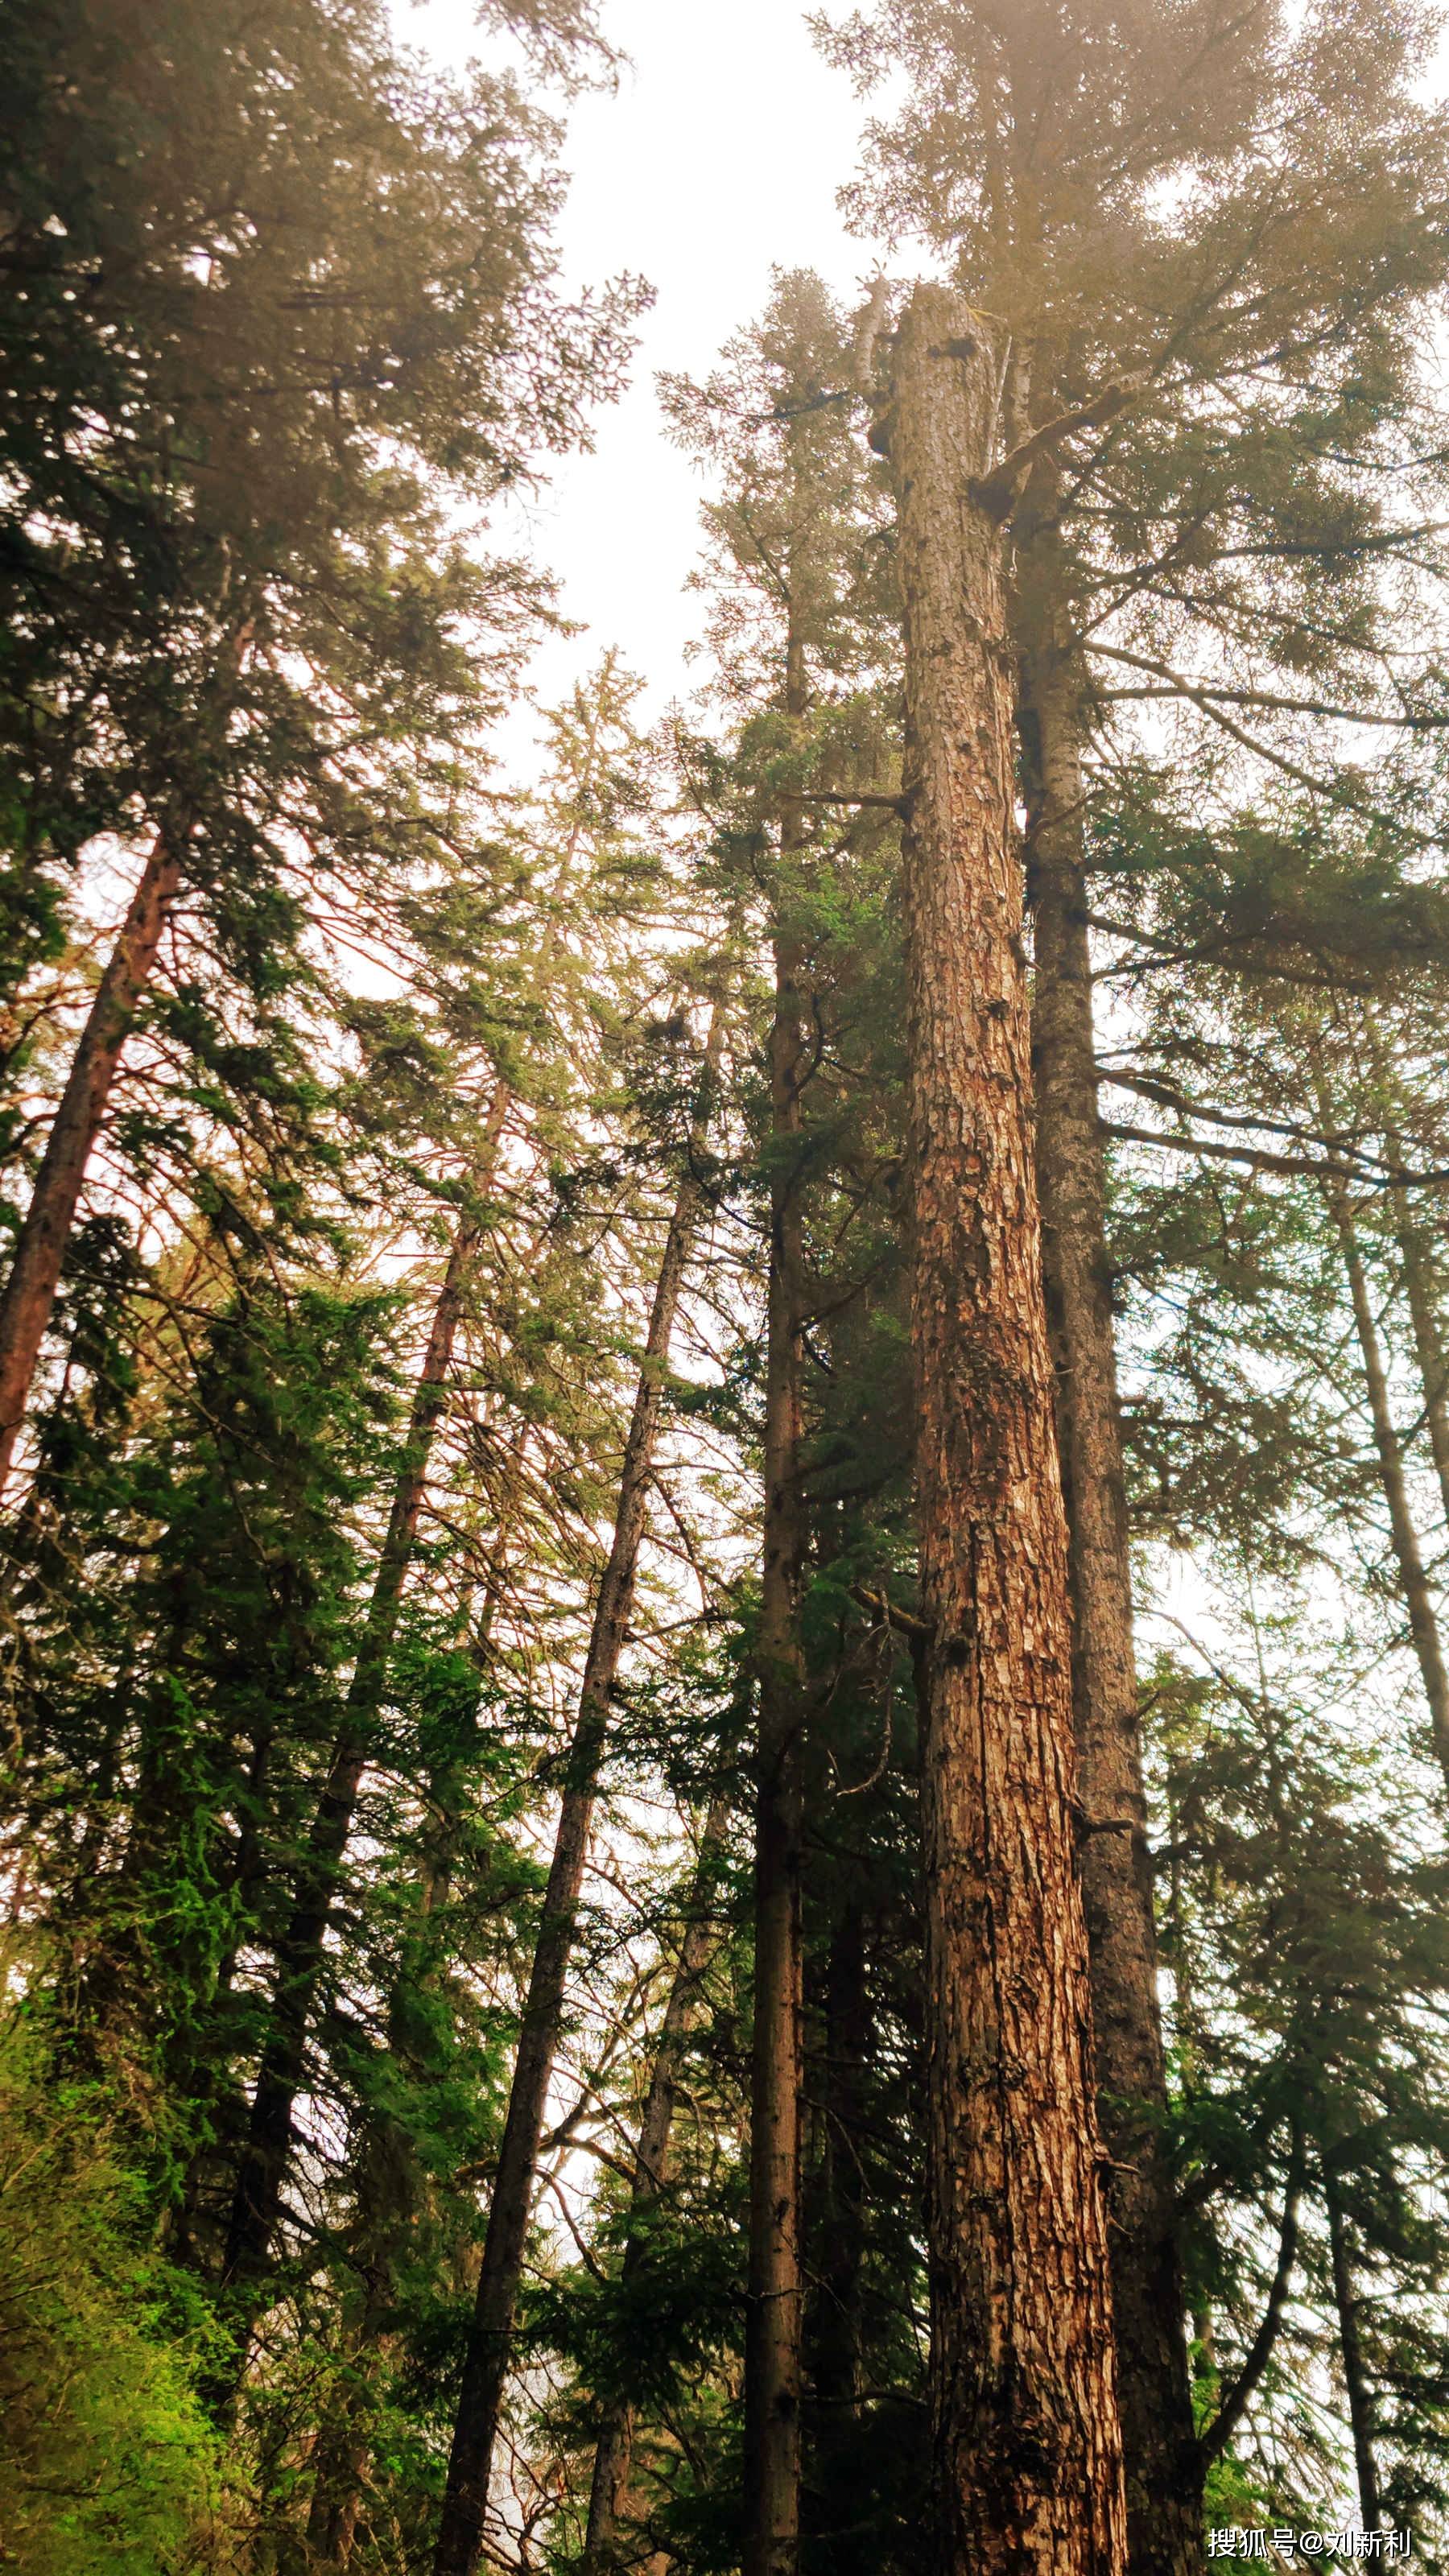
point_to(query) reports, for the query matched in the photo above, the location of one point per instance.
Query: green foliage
(106, 2458)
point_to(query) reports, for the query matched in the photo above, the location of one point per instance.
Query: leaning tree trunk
(613, 2455)
(1360, 2397)
(25, 1308)
(1027, 2445)
(774, 2303)
(485, 2368)
(1159, 2439)
(1408, 1556)
(257, 2195)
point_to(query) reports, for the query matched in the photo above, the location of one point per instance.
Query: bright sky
(717, 159)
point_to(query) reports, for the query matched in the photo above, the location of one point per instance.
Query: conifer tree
(1027, 2446)
(228, 328)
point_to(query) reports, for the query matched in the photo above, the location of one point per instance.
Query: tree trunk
(485, 2370)
(835, 2342)
(1027, 2444)
(614, 2453)
(1416, 1248)
(257, 2197)
(385, 2216)
(25, 1308)
(1428, 1344)
(773, 2313)
(1423, 1625)
(1159, 2441)
(1360, 2399)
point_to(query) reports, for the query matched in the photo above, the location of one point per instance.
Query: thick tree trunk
(773, 2315)
(485, 2370)
(1159, 2441)
(1360, 2398)
(613, 2456)
(1027, 2443)
(25, 1308)
(257, 2197)
(1408, 1556)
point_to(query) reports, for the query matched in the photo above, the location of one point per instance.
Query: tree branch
(1234, 2405)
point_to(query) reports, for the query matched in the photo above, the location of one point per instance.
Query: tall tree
(486, 2361)
(776, 2288)
(1028, 2456)
(218, 360)
(613, 2451)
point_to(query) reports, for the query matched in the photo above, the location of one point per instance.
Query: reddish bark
(1163, 2471)
(25, 1308)
(1025, 2426)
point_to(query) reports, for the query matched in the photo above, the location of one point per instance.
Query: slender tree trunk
(25, 1308)
(1416, 1255)
(1159, 2440)
(1429, 1348)
(1423, 1625)
(835, 2355)
(340, 2461)
(1027, 2442)
(485, 2370)
(773, 2315)
(1360, 2398)
(257, 2197)
(613, 2456)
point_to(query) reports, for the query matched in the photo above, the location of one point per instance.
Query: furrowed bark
(613, 2456)
(257, 2195)
(25, 1308)
(1408, 1556)
(1360, 2397)
(1159, 2440)
(485, 2370)
(1026, 2438)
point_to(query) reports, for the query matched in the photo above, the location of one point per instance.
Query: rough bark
(25, 1308)
(1408, 1556)
(1026, 2439)
(1159, 2441)
(773, 2315)
(257, 2194)
(1350, 2344)
(485, 2369)
(613, 2455)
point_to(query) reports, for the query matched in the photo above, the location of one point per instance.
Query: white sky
(716, 160)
